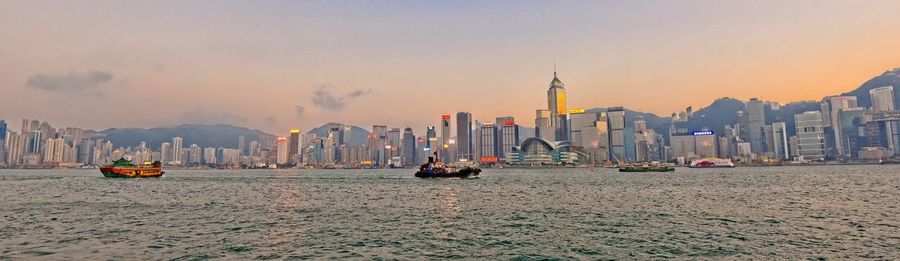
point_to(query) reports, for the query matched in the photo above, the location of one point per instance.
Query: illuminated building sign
(702, 133)
(295, 131)
(509, 122)
(445, 117)
(576, 111)
(489, 159)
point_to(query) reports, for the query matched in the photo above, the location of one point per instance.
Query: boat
(123, 168)
(436, 169)
(712, 163)
(646, 167)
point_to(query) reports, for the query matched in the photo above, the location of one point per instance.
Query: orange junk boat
(123, 168)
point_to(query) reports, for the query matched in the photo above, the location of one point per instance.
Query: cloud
(324, 99)
(89, 81)
(270, 120)
(301, 111)
(204, 116)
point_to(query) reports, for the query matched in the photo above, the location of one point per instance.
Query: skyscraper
(15, 148)
(393, 140)
(509, 138)
(754, 123)
(781, 148)
(283, 149)
(431, 142)
(378, 152)
(240, 145)
(882, 98)
(255, 149)
(35, 142)
(542, 128)
(464, 136)
(883, 101)
(26, 126)
(2, 132)
(556, 104)
(810, 135)
(177, 148)
(294, 145)
(616, 122)
(409, 147)
(444, 148)
(165, 152)
(838, 104)
(488, 146)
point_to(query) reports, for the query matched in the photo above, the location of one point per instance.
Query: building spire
(554, 68)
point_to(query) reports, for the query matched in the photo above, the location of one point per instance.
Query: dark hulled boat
(123, 168)
(646, 168)
(436, 169)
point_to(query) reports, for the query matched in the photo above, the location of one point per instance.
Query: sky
(280, 65)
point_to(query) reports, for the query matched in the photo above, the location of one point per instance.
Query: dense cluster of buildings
(38, 144)
(839, 130)
(561, 136)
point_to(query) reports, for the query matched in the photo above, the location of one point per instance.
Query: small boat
(123, 168)
(646, 167)
(712, 163)
(436, 169)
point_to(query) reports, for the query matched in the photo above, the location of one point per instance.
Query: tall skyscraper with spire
(556, 101)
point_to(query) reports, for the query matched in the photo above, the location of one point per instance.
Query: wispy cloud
(301, 111)
(325, 99)
(72, 82)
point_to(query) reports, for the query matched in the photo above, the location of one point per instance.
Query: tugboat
(436, 169)
(123, 168)
(646, 167)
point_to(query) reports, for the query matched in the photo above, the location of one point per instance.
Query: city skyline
(282, 65)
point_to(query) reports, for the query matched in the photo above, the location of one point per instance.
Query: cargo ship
(123, 168)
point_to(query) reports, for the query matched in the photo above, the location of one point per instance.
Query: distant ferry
(123, 168)
(712, 163)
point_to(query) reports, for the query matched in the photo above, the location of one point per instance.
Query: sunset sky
(276, 65)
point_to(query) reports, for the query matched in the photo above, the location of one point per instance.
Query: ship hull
(463, 173)
(646, 170)
(114, 172)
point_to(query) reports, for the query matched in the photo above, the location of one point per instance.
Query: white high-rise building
(810, 135)
(781, 147)
(283, 151)
(165, 152)
(882, 98)
(177, 148)
(838, 104)
(209, 155)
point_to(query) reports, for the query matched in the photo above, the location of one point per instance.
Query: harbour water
(850, 212)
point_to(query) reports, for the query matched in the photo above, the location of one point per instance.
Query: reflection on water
(842, 212)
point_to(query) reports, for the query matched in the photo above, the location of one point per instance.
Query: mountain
(888, 78)
(218, 135)
(654, 122)
(358, 135)
(721, 112)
